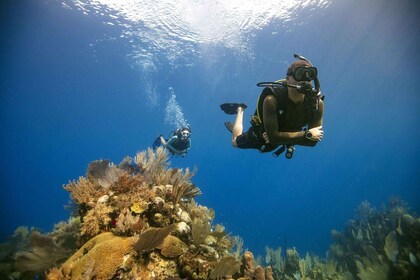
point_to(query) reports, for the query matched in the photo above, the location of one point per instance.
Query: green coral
(379, 243)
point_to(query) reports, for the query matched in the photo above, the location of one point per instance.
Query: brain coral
(99, 258)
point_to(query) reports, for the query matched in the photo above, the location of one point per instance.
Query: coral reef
(379, 244)
(376, 244)
(100, 258)
(139, 220)
(135, 220)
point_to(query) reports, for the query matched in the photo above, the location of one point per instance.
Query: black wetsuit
(291, 117)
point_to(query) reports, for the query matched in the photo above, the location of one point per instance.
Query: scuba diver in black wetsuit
(289, 112)
(178, 144)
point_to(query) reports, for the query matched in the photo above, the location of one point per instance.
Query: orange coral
(259, 273)
(248, 261)
(96, 220)
(269, 273)
(127, 224)
(127, 183)
(99, 258)
(84, 191)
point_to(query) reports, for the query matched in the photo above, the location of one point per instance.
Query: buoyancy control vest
(310, 107)
(181, 144)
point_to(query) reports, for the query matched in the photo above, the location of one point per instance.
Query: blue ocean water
(86, 80)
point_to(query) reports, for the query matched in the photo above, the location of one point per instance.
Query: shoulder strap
(280, 93)
(282, 98)
(312, 107)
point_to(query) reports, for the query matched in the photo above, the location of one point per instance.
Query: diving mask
(306, 74)
(185, 134)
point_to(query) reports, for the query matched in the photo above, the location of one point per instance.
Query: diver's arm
(271, 125)
(184, 152)
(189, 144)
(163, 141)
(281, 137)
(171, 148)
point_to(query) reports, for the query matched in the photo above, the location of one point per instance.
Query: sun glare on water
(192, 22)
(175, 32)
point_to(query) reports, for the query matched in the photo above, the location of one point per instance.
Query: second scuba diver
(178, 144)
(289, 112)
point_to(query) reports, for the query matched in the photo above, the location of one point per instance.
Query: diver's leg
(237, 126)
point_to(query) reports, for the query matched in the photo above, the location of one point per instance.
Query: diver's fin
(232, 108)
(157, 143)
(229, 126)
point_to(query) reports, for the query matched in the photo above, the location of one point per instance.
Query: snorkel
(305, 88)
